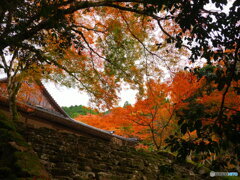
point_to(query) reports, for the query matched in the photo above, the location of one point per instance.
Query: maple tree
(150, 119)
(112, 121)
(202, 132)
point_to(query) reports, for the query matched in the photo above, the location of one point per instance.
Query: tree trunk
(13, 88)
(154, 138)
(13, 107)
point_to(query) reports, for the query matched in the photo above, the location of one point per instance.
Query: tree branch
(61, 12)
(171, 37)
(229, 82)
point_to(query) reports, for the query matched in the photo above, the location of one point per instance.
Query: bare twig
(143, 45)
(171, 37)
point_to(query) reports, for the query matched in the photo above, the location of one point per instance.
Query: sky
(69, 96)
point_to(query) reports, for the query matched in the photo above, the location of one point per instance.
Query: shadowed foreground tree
(201, 134)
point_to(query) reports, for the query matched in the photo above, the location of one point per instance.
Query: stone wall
(17, 158)
(67, 157)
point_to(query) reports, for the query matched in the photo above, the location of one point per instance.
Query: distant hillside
(74, 111)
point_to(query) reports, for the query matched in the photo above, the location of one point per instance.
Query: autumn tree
(112, 121)
(77, 38)
(150, 119)
(202, 132)
(46, 29)
(26, 26)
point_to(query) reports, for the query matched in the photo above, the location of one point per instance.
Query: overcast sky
(68, 96)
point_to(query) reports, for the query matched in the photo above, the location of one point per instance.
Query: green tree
(74, 111)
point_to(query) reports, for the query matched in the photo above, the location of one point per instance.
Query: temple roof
(47, 108)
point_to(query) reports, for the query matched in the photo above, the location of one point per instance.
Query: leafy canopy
(102, 43)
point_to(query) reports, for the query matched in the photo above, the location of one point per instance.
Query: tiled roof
(63, 119)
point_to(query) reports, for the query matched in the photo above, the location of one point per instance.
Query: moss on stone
(27, 163)
(7, 136)
(5, 123)
(17, 159)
